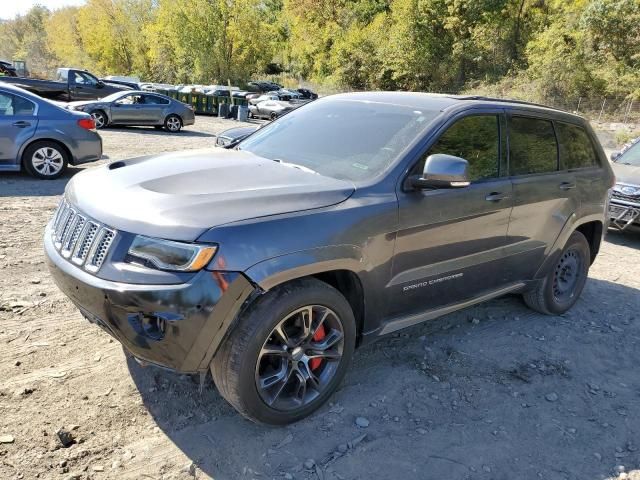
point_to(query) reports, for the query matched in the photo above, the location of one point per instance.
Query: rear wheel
(100, 118)
(561, 288)
(273, 115)
(44, 159)
(173, 123)
(288, 352)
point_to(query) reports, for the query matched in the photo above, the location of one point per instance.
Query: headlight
(630, 190)
(169, 255)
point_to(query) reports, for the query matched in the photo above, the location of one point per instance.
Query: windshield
(631, 156)
(346, 139)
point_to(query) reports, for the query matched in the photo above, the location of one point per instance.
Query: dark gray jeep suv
(347, 219)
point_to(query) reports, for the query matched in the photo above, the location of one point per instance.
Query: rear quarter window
(532, 146)
(576, 147)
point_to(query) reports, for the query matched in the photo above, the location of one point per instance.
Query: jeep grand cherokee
(347, 219)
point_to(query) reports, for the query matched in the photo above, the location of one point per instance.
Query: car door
(449, 243)
(128, 110)
(152, 109)
(83, 86)
(544, 197)
(18, 123)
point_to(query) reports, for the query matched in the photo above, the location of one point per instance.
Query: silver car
(270, 109)
(41, 137)
(138, 108)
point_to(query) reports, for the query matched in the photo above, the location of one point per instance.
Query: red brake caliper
(319, 335)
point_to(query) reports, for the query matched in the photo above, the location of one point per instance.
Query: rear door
(18, 123)
(152, 109)
(544, 196)
(449, 244)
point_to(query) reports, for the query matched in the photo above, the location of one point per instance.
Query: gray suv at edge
(347, 219)
(42, 137)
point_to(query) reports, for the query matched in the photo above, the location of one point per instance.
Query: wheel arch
(31, 141)
(342, 267)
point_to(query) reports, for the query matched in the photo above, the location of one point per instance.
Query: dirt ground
(492, 392)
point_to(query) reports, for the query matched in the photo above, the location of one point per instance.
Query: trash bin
(223, 110)
(243, 113)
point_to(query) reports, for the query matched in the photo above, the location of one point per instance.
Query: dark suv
(347, 219)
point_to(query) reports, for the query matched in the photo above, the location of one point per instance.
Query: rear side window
(152, 99)
(576, 148)
(12, 105)
(532, 146)
(476, 139)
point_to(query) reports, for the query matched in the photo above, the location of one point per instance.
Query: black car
(307, 94)
(352, 217)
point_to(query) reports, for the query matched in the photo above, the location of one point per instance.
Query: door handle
(21, 124)
(567, 185)
(496, 197)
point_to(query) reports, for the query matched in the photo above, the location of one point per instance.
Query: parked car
(263, 86)
(234, 135)
(307, 94)
(41, 137)
(7, 69)
(70, 84)
(138, 108)
(253, 100)
(624, 207)
(352, 217)
(270, 109)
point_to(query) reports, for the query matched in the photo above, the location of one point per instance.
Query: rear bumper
(175, 326)
(87, 149)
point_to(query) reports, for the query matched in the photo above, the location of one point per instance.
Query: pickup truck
(70, 84)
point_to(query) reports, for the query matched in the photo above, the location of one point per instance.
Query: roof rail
(505, 100)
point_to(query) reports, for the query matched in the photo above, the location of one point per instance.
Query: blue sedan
(41, 137)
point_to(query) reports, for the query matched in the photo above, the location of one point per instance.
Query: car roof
(19, 90)
(442, 102)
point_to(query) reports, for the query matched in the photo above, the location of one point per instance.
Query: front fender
(277, 270)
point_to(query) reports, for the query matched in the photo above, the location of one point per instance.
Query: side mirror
(443, 171)
(614, 156)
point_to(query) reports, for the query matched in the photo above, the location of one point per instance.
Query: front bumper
(623, 213)
(175, 326)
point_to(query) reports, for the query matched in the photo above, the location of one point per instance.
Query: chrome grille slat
(80, 239)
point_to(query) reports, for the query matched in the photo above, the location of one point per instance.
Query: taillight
(87, 123)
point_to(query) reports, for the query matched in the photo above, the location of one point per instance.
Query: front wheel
(273, 116)
(561, 288)
(100, 118)
(173, 123)
(288, 352)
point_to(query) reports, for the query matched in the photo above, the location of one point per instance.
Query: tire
(239, 368)
(273, 116)
(45, 160)
(173, 123)
(561, 288)
(100, 118)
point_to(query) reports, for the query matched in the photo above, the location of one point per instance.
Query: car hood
(626, 173)
(181, 195)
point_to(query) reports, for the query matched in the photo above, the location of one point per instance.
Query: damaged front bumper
(179, 327)
(623, 214)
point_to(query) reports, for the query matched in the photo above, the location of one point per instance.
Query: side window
(154, 100)
(82, 79)
(532, 146)
(11, 105)
(576, 148)
(476, 139)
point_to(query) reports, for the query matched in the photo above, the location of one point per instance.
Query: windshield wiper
(295, 165)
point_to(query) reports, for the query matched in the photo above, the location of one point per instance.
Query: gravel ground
(491, 392)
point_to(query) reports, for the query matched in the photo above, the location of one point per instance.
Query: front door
(18, 124)
(544, 196)
(128, 110)
(449, 244)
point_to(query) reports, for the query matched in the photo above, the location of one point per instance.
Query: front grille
(627, 198)
(82, 240)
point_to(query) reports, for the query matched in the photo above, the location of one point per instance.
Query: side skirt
(408, 321)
